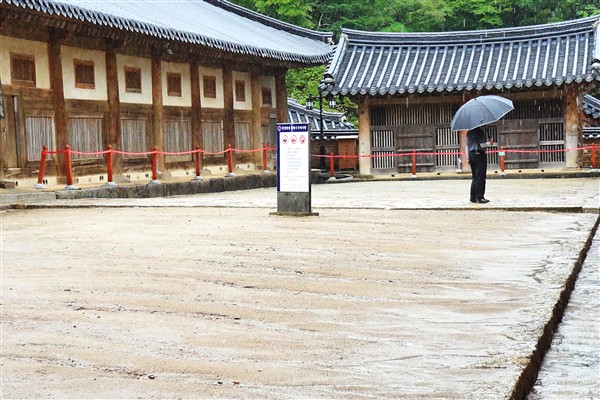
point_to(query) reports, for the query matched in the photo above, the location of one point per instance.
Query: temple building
(134, 75)
(409, 85)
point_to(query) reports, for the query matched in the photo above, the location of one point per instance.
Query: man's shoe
(472, 200)
(482, 200)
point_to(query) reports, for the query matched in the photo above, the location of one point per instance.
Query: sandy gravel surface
(233, 303)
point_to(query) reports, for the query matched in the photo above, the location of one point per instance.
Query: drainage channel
(525, 387)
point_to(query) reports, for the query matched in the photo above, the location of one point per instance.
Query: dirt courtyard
(205, 302)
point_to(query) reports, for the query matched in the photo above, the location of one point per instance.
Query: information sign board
(293, 158)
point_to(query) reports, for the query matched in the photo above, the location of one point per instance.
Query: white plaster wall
(242, 105)
(209, 102)
(186, 93)
(69, 54)
(146, 68)
(269, 82)
(39, 50)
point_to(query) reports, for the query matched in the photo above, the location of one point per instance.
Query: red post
(414, 163)
(197, 160)
(229, 159)
(68, 166)
(40, 182)
(264, 157)
(109, 164)
(502, 159)
(331, 165)
(594, 156)
(155, 163)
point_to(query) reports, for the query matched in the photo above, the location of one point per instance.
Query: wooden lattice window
(212, 136)
(267, 97)
(178, 138)
(174, 84)
(133, 135)
(133, 80)
(40, 131)
(85, 135)
(242, 136)
(240, 91)
(22, 69)
(210, 86)
(84, 74)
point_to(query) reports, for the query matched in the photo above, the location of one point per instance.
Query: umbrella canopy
(480, 111)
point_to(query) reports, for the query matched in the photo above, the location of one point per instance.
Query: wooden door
(383, 146)
(421, 139)
(347, 147)
(523, 137)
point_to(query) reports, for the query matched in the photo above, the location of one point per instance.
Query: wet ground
(396, 290)
(571, 368)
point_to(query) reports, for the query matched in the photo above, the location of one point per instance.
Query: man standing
(476, 145)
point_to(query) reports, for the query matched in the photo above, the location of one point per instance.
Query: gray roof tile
(213, 23)
(333, 122)
(591, 106)
(377, 63)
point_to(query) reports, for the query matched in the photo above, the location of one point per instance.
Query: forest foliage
(410, 16)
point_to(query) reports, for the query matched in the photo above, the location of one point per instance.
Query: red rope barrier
(68, 166)
(267, 147)
(457, 153)
(230, 159)
(109, 164)
(40, 181)
(198, 161)
(155, 164)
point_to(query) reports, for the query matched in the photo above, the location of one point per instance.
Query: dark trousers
(478, 163)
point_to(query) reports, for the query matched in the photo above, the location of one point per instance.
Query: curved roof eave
(560, 54)
(317, 41)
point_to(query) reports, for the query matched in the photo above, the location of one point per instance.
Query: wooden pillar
(196, 104)
(2, 133)
(462, 140)
(255, 129)
(114, 106)
(281, 94)
(158, 111)
(3, 129)
(228, 112)
(364, 137)
(573, 126)
(58, 96)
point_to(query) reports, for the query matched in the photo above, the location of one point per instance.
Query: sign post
(293, 170)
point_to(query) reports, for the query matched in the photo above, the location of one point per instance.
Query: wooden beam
(255, 129)
(364, 136)
(196, 104)
(573, 126)
(281, 94)
(3, 129)
(113, 136)
(228, 114)
(158, 110)
(58, 95)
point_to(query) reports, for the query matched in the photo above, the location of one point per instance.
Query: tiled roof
(591, 132)
(378, 63)
(333, 122)
(213, 23)
(591, 106)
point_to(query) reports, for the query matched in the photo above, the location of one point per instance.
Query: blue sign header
(292, 127)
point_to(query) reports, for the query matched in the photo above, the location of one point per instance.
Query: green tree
(295, 12)
(418, 15)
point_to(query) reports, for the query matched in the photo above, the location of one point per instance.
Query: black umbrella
(480, 111)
